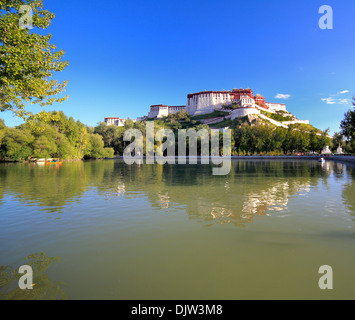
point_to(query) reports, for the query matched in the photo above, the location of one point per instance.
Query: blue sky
(127, 55)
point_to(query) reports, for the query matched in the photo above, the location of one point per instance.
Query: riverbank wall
(314, 158)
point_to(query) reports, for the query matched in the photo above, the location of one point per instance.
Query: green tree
(129, 124)
(44, 147)
(338, 141)
(65, 149)
(96, 147)
(348, 127)
(16, 144)
(314, 141)
(70, 136)
(2, 130)
(107, 133)
(279, 135)
(300, 140)
(288, 143)
(27, 59)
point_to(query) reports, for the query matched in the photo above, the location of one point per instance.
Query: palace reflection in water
(253, 188)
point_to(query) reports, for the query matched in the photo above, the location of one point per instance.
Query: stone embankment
(330, 157)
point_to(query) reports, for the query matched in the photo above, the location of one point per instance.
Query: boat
(54, 161)
(322, 160)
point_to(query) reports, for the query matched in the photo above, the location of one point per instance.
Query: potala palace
(238, 103)
(209, 101)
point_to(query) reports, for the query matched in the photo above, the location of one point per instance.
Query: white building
(207, 102)
(276, 106)
(161, 111)
(115, 121)
(246, 101)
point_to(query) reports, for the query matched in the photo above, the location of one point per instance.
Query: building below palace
(115, 121)
(161, 111)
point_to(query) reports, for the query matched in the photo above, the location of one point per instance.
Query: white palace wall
(208, 102)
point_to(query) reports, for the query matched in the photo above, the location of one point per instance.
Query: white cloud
(329, 100)
(343, 101)
(283, 96)
(335, 99)
(332, 100)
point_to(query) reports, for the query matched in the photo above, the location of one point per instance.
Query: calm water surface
(106, 230)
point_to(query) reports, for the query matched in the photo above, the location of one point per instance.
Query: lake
(107, 230)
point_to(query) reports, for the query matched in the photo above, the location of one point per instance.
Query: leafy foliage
(249, 136)
(27, 60)
(51, 135)
(277, 116)
(256, 138)
(232, 106)
(214, 114)
(348, 128)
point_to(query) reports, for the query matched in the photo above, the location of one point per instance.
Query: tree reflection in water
(253, 188)
(348, 191)
(43, 289)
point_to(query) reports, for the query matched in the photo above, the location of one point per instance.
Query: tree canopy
(27, 59)
(51, 134)
(348, 124)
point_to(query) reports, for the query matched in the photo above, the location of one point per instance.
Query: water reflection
(46, 186)
(136, 228)
(349, 190)
(253, 188)
(44, 288)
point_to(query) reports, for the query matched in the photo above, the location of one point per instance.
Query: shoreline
(315, 157)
